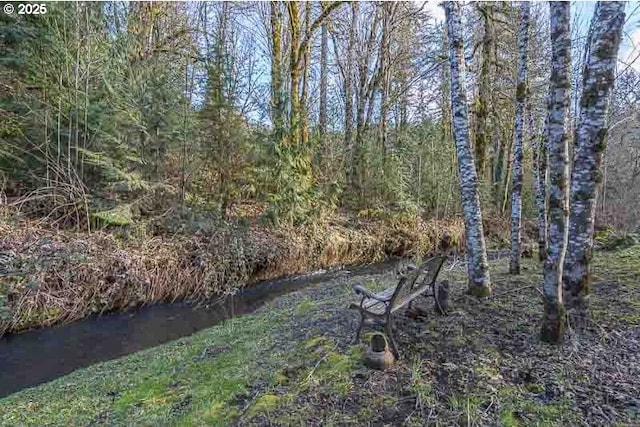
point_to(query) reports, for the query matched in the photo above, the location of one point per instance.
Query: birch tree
(521, 94)
(540, 159)
(558, 109)
(477, 265)
(591, 131)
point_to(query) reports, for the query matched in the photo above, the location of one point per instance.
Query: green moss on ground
(191, 381)
(519, 407)
(617, 273)
(292, 363)
(117, 217)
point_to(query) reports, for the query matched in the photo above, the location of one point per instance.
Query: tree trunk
(539, 149)
(498, 145)
(447, 119)
(497, 160)
(507, 166)
(348, 93)
(324, 71)
(304, 117)
(277, 107)
(590, 138)
(558, 145)
(388, 10)
(481, 140)
(521, 95)
(477, 265)
(365, 90)
(295, 74)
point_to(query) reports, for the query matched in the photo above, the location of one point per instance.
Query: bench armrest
(359, 289)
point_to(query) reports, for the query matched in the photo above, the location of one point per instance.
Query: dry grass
(50, 276)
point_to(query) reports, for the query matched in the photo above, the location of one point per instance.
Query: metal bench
(380, 307)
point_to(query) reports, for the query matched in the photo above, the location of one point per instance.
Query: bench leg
(355, 341)
(389, 331)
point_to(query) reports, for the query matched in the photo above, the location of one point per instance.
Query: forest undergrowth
(52, 276)
(292, 363)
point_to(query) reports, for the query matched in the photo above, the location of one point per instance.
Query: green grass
(519, 408)
(305, 307)
(252, 370)
(173, 384)
(622, 265)
(619, 268)
(264, 404)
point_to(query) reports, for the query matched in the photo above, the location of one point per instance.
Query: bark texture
(348, 95)
(590, 137)
(484, 93)
(521, 95)
(324, 72)
(558, 109)
(477, 265)
(540, 172)
(277, 79)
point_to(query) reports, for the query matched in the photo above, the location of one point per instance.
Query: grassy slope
(291, 363)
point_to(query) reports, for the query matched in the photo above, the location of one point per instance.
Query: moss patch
(119, 216)
(264, 404)
(517, 409)
(292, 363)
(169, 384)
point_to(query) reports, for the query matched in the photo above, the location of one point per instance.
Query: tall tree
(477, 265)
(348, 93)
(521, 95)
(293, 174)
(296, 59)
(481, 107)
(384, 69)
(324, 72)
(277, 81)
(298, 63)
(347, 77)
(597, 83)
(558, 109)
(540, 160)
(367, 82)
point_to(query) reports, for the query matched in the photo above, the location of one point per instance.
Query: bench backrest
(416, 281)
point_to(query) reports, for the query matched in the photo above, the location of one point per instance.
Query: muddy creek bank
(31, 358)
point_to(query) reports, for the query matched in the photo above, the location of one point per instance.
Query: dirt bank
(53, 276)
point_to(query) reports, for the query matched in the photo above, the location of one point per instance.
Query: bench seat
(415, 282)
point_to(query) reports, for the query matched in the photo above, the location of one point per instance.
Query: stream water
(38, 356)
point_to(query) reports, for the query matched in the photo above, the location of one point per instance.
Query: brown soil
(482, 364)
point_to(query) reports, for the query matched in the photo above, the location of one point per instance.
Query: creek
(38, 356)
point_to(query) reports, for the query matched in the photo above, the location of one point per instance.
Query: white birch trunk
(539, 145)
(591, 131)
(521, 95)
(477, 265)
(558, 110)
